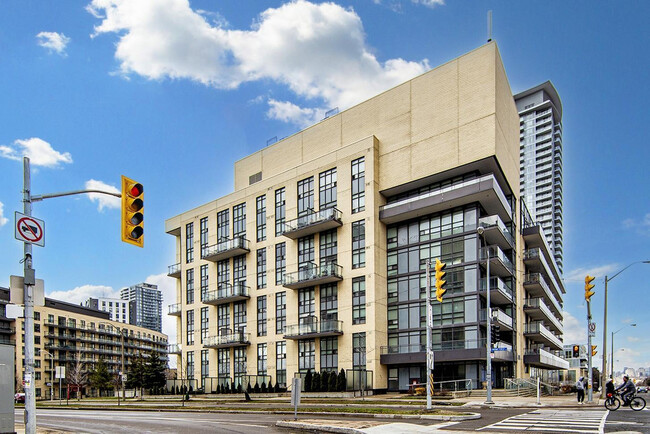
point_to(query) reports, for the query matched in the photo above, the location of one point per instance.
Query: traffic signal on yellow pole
(440, 290)
(588, 287)
(593, 350)
(132, 216)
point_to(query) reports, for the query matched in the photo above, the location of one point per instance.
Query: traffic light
(593, 350)
(495, 333)
(440, 291)
(132, 221)
(576, 351)
(588, 287)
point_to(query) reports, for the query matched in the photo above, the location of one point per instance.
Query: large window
(239, 320)
(261, 268)
(305, 196)
(358, 244)
(280, 312)
(280, 262)
(204, 281)
(407, 316)
(305, 251)
(240, 364)
(329, 354)
(306, 355)
(261, 315)
(359, 350)
(280, 211)
(327, 189)
(281, 363)
(190, 365)
(328, 302)
(260, 219)
(327, 247)
(223, 272)
(223, 363)
(306, 306)
(204, 235)
(189, 286)
(189, 327)
(359, 300)
(204, 324)
(223, 315)
(239, 270)
(358, 185)
(223, 225)
(205, 367)
(189, 243)
(239, 220)
(261, 359)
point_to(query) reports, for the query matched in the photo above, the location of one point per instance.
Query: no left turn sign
(30, 229)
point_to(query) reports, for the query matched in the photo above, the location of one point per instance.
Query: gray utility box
(7, 388)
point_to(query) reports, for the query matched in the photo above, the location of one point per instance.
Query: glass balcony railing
(175, 309)
(226, 293)
(226, 249)
(549, 268)
(315, 328)
(502, 263)
(231, 339)
(313, 275)
(173, 349)
(497, 285)
(436, 346)
(313, 222)
(174, 270)
(495, 231)
(538, 304)
(538, 328)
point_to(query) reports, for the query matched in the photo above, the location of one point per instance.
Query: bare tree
(77, 373)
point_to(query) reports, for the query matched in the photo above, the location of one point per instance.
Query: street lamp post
(613, 333)
(51, 374)
(488, 360)
(604, 370)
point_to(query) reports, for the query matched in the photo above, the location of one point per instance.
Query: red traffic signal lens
(136, 190)
(136, 232)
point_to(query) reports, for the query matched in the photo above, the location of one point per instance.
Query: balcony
(484, 189)
(226, 249)
(174, 270)
(535, 261)
(314, 329)
(537, 309)
(227, 293)
(228, 340)
(173, 349)
(7, 330)
(317, 221)
(175, 309)
(542, 358)
(447, 351)
(313, 275)
(500, 265)
(495, 232)
(534, 237)
(500, 292)
(538, 332)
(499, 318)
(535, 285)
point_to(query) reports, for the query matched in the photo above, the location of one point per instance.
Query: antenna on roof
(489, 26)
(272, 140)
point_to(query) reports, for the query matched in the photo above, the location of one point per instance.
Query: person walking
(580, 387)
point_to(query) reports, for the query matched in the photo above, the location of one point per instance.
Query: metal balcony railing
(226, 292)
(174, 269)
(231, 339)
(175, 309)
(326, 327)
(313, 274)
(226, 248)
(329, 216)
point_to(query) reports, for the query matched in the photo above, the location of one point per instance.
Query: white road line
(601, 428)
(554, 420)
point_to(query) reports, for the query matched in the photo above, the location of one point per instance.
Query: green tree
(331, 386)
(154, 372)
(99, 377)
(136, 374)
(340, 381)
(315, 383)
(308, 378)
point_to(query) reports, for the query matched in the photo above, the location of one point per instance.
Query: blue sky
(171, 93)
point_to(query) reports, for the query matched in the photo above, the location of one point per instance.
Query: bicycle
(612, 402)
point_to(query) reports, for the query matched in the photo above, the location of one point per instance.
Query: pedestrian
(580, 387)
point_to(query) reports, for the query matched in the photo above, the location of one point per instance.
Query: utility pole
(28, 295)
(588, 294)
(429, 335)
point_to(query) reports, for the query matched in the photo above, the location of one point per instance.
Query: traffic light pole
(429, 336)
(590, 389)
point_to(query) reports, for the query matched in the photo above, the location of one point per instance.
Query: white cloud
(286, 111)
(579, 274)
(429, 3)
(103, 200)
(317, 50)
(53, 41)
(38, 150)
(3, 219)
(633, 339)
(642, 226)
(82, 293)
(574, 330)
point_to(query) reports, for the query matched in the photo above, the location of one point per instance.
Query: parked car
(19, 398)
(641, 389)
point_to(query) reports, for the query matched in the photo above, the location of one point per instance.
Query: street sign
(295, 391)
(430, 360)
(29, 229)
(60, 372)
(592, 329)
(500, 349)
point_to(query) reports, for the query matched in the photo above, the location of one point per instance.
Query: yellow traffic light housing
(132, 216)
(440, 290)
(593, 350)
(588, 287)
(576, 351)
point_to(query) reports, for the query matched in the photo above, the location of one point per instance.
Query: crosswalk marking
(578, 421)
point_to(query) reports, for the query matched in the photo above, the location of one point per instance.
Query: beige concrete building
(67, 334)
(316, 260)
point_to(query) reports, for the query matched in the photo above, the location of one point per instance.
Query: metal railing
(495, 221)
(312, 219)
(496, 253)
(315, 327)
(498, 284)
(227, 339)
(313, 272)
(225, 245)
(174, 268)
(174, 308)
(226, 290)
(437, 346)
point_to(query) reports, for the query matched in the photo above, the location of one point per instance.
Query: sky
(172, 92)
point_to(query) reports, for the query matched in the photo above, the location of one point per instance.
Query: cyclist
(627, 389)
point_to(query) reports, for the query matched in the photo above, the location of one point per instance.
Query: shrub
(340, 382)
(308, 379)
(256, 389)
(331, 386)
(263, 388)
(315, 383)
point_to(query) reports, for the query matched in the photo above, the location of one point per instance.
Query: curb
(315, 427)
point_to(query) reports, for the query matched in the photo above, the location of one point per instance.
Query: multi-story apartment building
(577, 365)
(145, 305)
(118, 309)
(540, 135)
(6, 329)
(317, 260)
(67, 334)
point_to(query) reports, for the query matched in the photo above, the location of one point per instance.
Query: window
(190, 365)
(204, 235)
(239, 320)
(204, 281)
(261, 268)
(240, 364)
(223, 273)
(306, 196)
(223, 363)
(280, 262)
(306, 306)
(205, 367)
(327, 189)
(327, 247)
(204, 324)
(261, 315)
(239, 270)
(329, 354)
(189, 286)
(280, 312)
(223, 318)
(358, 244)
(328, 303)
(359, 350)
(189, 328)
(239, 220)
(261, 218)
(358, 185)
(261, 359)
(223, 225)
(281, 363)
(189, 243)
(305, 251)
(306, 355)
(280, 211)
(359, 300)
